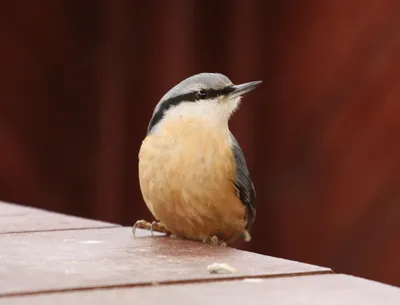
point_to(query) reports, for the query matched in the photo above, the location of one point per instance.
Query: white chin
(233, 104)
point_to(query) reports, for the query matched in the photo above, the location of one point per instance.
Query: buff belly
(186, 182)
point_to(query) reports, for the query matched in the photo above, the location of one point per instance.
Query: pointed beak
(239, 90)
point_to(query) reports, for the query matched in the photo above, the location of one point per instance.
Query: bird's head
(206, 96)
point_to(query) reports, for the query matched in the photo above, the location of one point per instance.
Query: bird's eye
(202, 94)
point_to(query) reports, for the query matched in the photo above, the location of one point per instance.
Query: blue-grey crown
(194, 88)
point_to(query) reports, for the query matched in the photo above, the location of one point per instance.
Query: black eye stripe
(202, 94)
(213, 93)
(188, 97)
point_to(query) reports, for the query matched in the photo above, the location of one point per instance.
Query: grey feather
(243, 183)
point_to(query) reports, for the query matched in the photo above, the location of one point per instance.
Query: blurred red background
(79, 80)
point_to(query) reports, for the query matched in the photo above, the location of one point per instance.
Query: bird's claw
(214, 240)
(153, 226)
(246, 236)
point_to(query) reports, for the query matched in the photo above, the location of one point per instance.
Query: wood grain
(310, 290)
(110, 257)
(15, 219)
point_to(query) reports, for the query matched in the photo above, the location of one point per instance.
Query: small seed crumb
(220, 268)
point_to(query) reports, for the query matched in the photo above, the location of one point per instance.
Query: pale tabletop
(50, 258)
(16, 218)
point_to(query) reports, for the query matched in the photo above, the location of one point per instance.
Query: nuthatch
(192, 172)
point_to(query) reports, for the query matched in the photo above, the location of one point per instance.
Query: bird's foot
(246, 236)
(153, 226)
(214, 240)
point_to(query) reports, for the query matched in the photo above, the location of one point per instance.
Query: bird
(192, 171)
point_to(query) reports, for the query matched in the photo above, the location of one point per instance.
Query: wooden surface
(112, 257)
(107, 265)
(304, 290)
(80, 80)
(15, 218)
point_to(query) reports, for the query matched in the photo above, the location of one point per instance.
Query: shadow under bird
(192, 172)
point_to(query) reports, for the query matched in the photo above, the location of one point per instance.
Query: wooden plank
(310, 290)
(15, 218)
(111, 257)
(10, 209)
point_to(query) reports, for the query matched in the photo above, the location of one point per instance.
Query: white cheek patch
(214, 111)
(210, 109)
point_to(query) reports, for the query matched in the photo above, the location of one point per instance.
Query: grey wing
(243, 183)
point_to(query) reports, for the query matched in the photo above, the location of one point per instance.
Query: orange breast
(186, 173)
